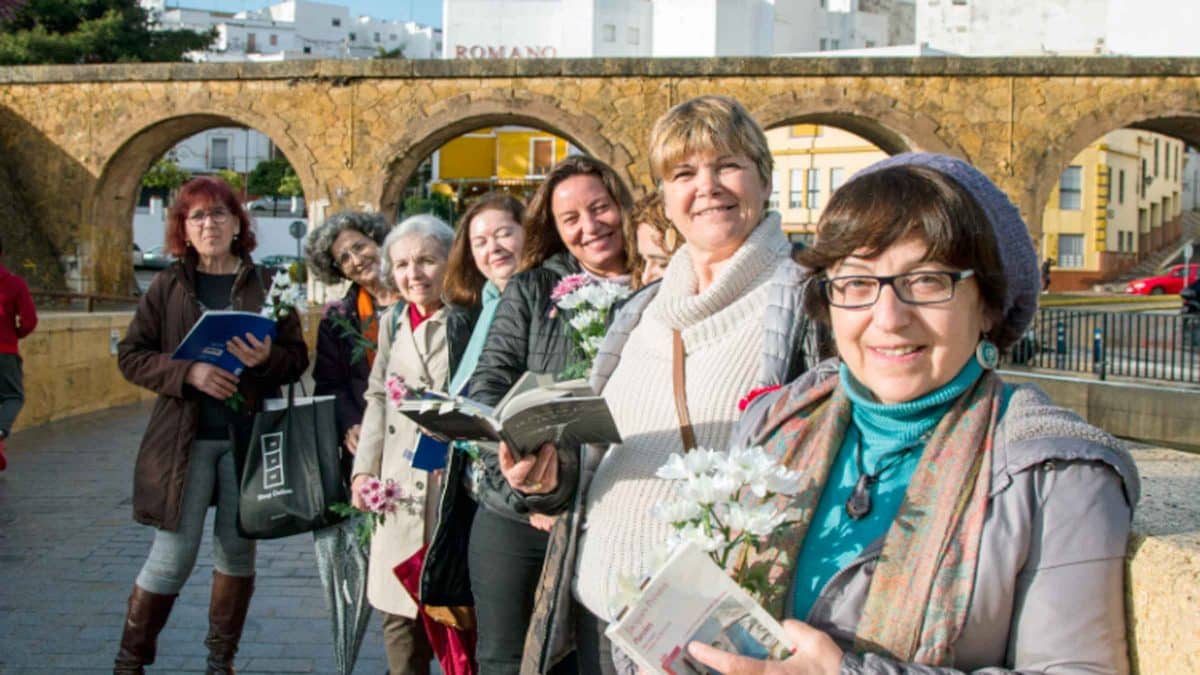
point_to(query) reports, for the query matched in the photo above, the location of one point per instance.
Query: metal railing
(1121, 344)
(89, 300)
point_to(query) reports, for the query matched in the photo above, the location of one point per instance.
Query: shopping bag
(290, 472)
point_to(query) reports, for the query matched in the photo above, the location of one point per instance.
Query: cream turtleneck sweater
(723, 335)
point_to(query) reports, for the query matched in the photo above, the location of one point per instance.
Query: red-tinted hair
(204, 189)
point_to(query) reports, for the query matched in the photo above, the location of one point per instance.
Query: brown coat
(163, 318)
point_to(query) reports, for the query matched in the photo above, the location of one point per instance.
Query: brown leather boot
(145, 618)
(226, 618)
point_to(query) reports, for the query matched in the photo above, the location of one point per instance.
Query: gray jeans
(12, 393)
(173, 554)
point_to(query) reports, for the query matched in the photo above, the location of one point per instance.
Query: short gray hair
(318, 245)
(424, 225)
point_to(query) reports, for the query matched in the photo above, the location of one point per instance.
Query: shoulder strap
(685, 421)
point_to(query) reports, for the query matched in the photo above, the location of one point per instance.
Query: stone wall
(356, 130)
(70, 365)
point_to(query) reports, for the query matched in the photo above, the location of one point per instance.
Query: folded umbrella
(453, 647)
(342, 566)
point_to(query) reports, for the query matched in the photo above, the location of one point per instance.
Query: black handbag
(290, 470)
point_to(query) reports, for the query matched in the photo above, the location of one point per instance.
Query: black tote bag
(290, 470)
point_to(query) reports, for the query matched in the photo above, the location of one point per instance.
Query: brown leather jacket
(163, 318)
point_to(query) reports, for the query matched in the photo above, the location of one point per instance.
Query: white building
(298, 29)
(1061, 27)
(504, 29)
(1190, 191)
(231, 148)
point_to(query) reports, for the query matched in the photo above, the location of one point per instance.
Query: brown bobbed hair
(649, 211)
(205, 189)
(464, 282)
(541, 233)
(871, 213)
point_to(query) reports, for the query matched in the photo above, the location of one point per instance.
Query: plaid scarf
(919, 594)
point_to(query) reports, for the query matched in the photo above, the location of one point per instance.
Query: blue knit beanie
(1017, 254)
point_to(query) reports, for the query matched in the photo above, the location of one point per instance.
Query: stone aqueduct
(78, 138)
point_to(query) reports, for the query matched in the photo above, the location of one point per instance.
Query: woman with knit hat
(724, 320)
(951, 522)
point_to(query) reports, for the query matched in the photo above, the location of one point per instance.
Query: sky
(428, 12)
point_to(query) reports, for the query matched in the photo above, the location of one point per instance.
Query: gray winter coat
(1049, 590)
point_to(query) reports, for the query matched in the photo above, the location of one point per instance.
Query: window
(376, 36)
(353, 37)
(1121, 186)
(773, 200)
(1070, 189)
(813, 183)
(836, 175)
(1156, 158)
(218, 153)
(1141, 186)
(959, 3)
(869, 43)
(307, 49)
(834, 44)
(391, 37)
(274, 40)
(251, 43)
(336, 22)
(824, 45)
(1070, 250)
(796, 189)
(541, 156)
(608, 32)
(634, 35)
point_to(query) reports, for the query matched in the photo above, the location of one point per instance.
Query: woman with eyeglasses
(186, 459)
(346, 248)
(950, 522)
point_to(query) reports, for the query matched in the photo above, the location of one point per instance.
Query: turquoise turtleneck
(470, 357)
(892, 436)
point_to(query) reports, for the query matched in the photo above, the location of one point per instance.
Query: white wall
(497, 28)
(1154, 27)
(632, 24)
(685, 27)
(1189, 195)
(1014, 27)
(247, 148)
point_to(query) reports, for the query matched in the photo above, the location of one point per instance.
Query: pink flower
(391, 491)
(396, 390)
(390, 507)
(568, 285)
(370, 487)
(376, 502)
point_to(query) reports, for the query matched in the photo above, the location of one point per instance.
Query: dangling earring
(987, 354)
(235, 236)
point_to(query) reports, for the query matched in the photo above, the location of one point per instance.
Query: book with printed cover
(535, 410)
(691, 598)
(206, 340)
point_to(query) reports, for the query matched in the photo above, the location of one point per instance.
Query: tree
(436, 203)
(290, 185)
(88, 31)
(233, 179)
(165, 175)
(268, 175)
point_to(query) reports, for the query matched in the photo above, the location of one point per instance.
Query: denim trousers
(173, 554)
(12, 393)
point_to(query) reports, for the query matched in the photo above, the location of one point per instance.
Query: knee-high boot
(145, 618)
(226, 618)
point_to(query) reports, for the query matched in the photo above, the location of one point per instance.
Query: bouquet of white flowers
(286, 296)
(723, 505)
(589, 303)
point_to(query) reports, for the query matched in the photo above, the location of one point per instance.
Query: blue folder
(206, 340)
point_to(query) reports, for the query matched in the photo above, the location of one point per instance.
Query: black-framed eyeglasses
(353, 253)
(914, 288)
(219, 215)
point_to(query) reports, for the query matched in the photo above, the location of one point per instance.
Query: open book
(691, 598)
(535, 411)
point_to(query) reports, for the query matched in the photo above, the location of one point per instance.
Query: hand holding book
(533, 474)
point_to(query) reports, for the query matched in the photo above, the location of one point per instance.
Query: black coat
(335, 371)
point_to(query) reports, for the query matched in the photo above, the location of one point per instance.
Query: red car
(1172, 282)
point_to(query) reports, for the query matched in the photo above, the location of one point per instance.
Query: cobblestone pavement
(69, 552)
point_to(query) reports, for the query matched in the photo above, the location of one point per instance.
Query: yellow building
(510, 158)
(811, 161)
(1117, 201)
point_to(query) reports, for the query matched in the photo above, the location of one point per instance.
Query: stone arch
(877, 119)
(1173, 112)
(461, 114)
(111, 208)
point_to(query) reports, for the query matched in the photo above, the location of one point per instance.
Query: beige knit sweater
(723, 335)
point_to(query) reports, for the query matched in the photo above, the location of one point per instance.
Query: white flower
(281, 279)
(681, 466)
(748, 465)
(678, 511)
(780, 481)
(586, 318)
(571, 300)
(763, 520)
(695, 534)
(627, 590)
(702, 490)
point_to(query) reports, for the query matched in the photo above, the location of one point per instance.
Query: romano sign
(504, 52)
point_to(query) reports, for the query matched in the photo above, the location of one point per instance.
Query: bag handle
(681, 411)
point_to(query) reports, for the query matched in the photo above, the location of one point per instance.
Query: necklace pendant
(859, 503)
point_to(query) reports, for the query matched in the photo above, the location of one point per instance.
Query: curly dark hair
(319, 242)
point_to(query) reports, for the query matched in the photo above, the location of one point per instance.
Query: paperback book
(206, 340)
